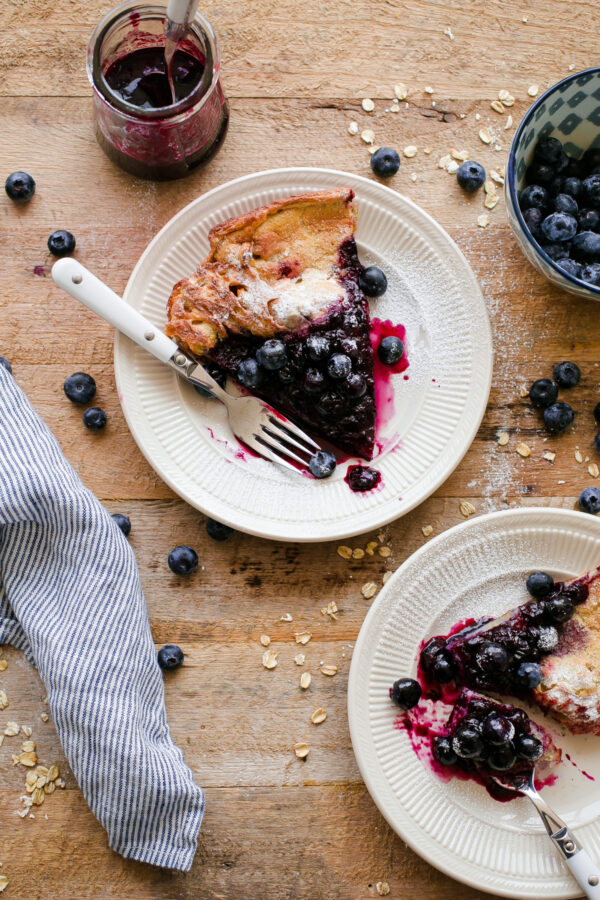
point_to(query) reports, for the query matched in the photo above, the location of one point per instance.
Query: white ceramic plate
(476, 568)
(432, 291)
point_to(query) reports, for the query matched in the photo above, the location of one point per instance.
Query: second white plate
(438, 408)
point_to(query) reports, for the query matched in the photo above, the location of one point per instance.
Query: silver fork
(583, 869)
(255, 423)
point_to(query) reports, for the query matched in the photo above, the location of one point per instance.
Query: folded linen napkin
(71, 599)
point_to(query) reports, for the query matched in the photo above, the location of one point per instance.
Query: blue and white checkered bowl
(569, 111)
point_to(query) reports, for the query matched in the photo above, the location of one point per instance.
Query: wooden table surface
(295, 74)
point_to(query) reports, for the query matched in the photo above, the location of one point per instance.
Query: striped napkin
(71, 599)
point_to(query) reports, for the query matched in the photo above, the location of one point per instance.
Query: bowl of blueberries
(553, 184)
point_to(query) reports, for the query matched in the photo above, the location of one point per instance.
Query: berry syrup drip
(362, 478)
(141, 78)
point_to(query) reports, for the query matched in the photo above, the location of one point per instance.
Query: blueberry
(286, 375)
(591, 191)
(586, 246)
(556, 251)
(94, 418)
(574, 168)
(217, 531)
(597, 443)
(559, 226)
(272, 355)
(357, 385)
(443, 752)
(558, 609)
(348, 346)
(20, 187)
(548, 150)
(122, 522)
(249, 374)
(470, 175)
(313, 381)
(567, 204)
(529, 674)
(588, 219)
(534, 195)
(540, 173)
(492, 658)
(390, 350)
(502, 759)
(80, 387)
(317, 347)
(589, 500)
(431, 651)
(467, 742)
(385, 162)
(571, 267)
(170, 656)
(540, 584)
(567, 374)
(558, 417)
(542, 393)
(330, 405)
(590, 273)
(529, 747)
(322, 464)
(596, 412)
(572, 187)
(533, 219)
(555, 186)
(406, 693)
(219, 376)
(498, 730)
(547, 639)
(183, 560)
(576, 593)
(443, 669)
(372, 282)
(4, 363)
(339, 366)
(61, 242)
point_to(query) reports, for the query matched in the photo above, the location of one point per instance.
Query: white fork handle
(586, 873)
(77, 281)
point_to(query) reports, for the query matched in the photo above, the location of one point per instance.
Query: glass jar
(158, 142)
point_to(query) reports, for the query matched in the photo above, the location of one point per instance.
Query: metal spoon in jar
(179, 14)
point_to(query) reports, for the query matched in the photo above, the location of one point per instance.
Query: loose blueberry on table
(543, 393)
(470, 175)
(80, 387)
(61, 242)
(597, 443)
(558, 417)
(597, 413)
(385, 162)
(170, 656)
(217, 531)
(5, 364)
(183, 560)
(94, 418)
(567, 374)
(20, 187)
(122, 522)
(589, 500)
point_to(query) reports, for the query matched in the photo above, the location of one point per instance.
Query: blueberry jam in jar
(139, 124)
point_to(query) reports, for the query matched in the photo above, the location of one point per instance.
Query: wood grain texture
(295, 74)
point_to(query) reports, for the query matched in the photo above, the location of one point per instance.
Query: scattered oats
(578, 456)
(385, 552)
(28, 759)
(367, 136)
(400, 91)
(427, 150)
(329, 670)
(31, 781)
(452, 167)
(330, 610)
(44, 717)
(593, 470)
(381, 537)
(485, 136)
(301, 750)
(489, 187)
(368, 105)
(509, 122)
(299, 659)
(496, 177)
(386, 577)
(53, 773)
(60, 783)
(524, 20)
(524, 392)
(550, 456)
(269, 659)
(448, 33)
(413, 176)
(28, 746)
(3, 700)
(318, 715)
(22, 813)
(467, 509)
(344, 552)
(429, 89)
(353, 128)
(358, 553)
(38, 796)
(503, 438)
(49, 787)
(427, 530)
(477, 117)
(3, 883)
(11, 729)
(1, 739)
(506, 98)
(483, 220)
(533, 90)
(368, 590)
(265, 640)
(3, 665)
(305, 680)
(497, 107)
(303, 637)
(410, 151)
(26, 730)
(460, 155)
(372, 150)
(523, 450)
(491, 201)
(286, 617)
(571, 67)
(382, 888)
(371, 548)
(561, 481)
(444, 161)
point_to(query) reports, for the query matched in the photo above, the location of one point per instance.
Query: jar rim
(197, 96)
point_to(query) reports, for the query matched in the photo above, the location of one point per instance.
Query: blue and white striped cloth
(71, 599)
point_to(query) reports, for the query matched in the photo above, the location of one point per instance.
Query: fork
(258, 425)
(583, 869)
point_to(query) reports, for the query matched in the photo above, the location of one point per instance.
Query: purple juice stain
(140, 78)
(362, 478)
(40, 271)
